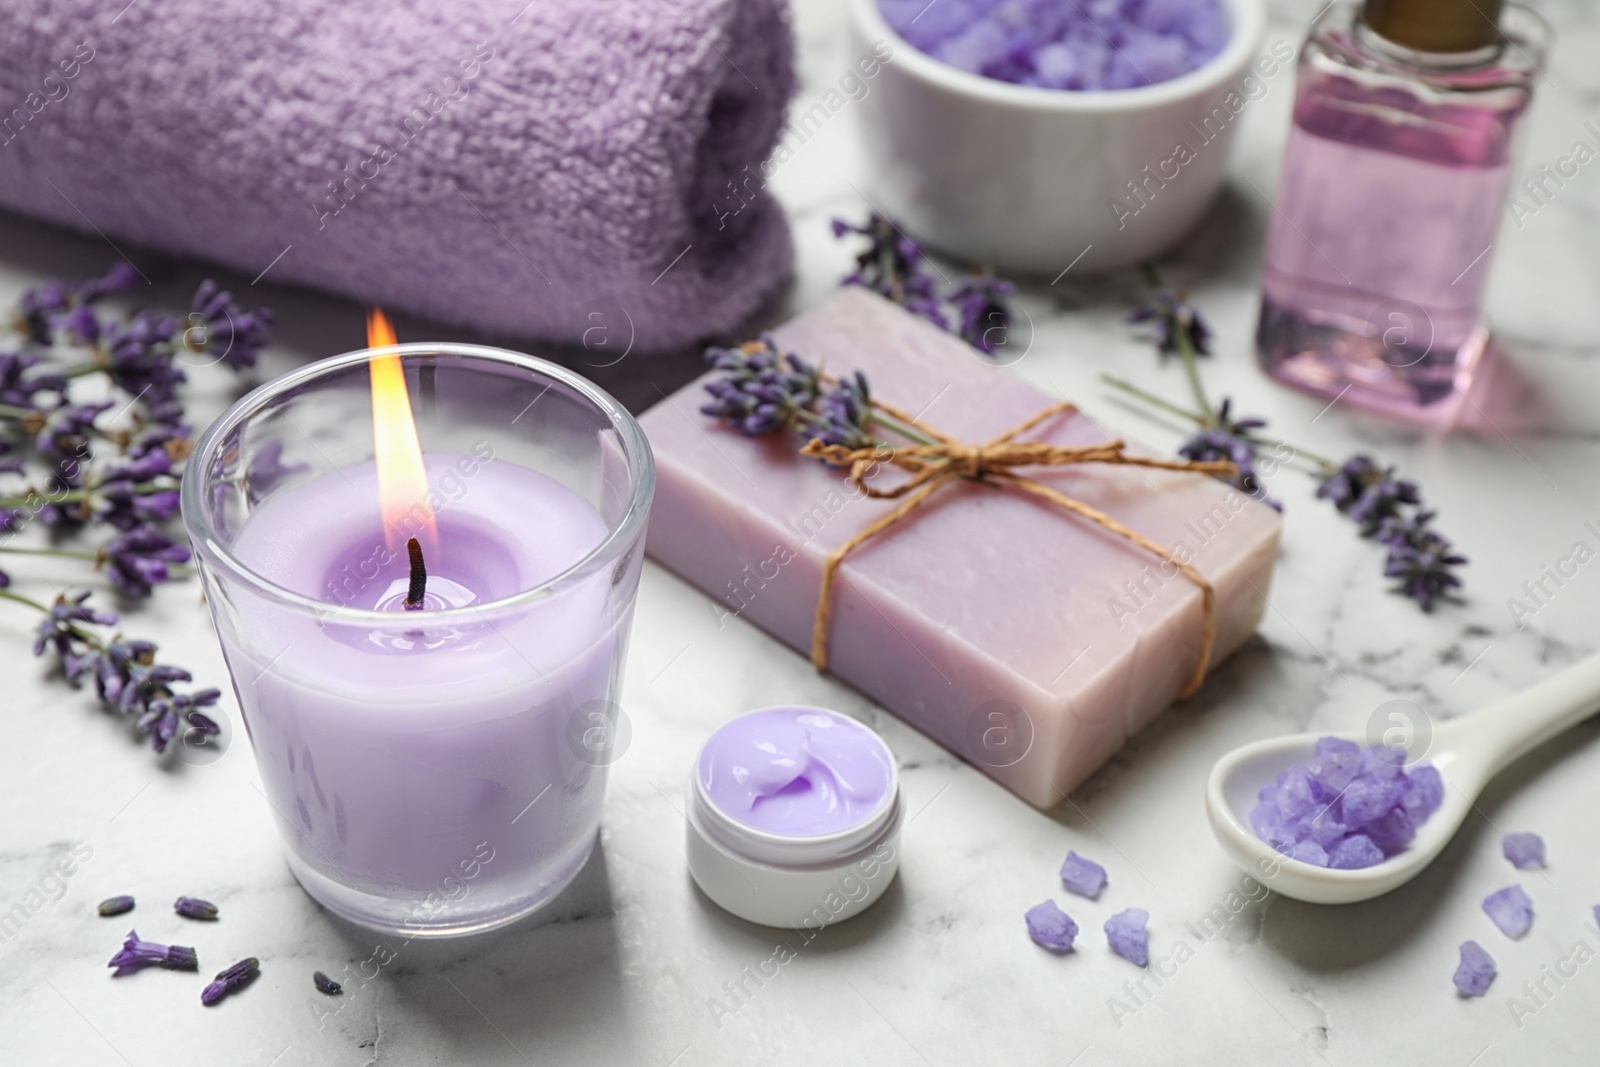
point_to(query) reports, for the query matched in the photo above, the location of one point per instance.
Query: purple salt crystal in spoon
(1511, 910)
(1476, 970)
(1050, 927)
(1083, 876)
(1126, 931)
(1353, 852)
(1524, 850)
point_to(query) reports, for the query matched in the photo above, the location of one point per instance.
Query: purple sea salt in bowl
(1036, 180)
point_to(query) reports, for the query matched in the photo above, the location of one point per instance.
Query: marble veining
(633, 965)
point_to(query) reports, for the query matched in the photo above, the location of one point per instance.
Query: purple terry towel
(515, 166)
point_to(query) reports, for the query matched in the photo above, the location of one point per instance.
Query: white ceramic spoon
(1467, 752)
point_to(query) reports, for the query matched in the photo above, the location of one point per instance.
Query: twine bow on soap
(932, 466)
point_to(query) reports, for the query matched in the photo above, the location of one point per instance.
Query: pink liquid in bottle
(1393, 183)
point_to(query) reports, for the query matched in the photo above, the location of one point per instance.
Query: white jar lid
(793, 880)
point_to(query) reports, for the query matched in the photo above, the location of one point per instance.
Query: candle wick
(419, 576)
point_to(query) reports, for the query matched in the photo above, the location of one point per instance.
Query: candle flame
(402, 479)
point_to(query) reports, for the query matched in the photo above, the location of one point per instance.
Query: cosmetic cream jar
(794, 817)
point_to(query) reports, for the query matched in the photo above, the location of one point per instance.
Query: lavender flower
(138, 559)
(138, 356)
(139, 490)
(164, 714)
(115, 906)
(1389, 510)
(326, 985)
(195, 908)
(117, 666)
(762, 389)
(1421, 558)
(1176, 321)
(231, 979)
(1229, 439)
(62, 630)
(1367, 493)
(846, 412)
(983, 316)
(220, 328)
(20, 389)
(893, 267)
(137, 955)
(38, 306)
(63, 438)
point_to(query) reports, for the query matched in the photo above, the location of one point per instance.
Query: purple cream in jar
(794, 816)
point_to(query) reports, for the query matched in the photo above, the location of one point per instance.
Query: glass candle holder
(436, 771)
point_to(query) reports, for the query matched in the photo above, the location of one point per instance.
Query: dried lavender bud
(195, 908)
(218, 327)
(1127, 934)
(1050, 927)
(1083, 876)
(1524, 850)
(1228, 439)
(115, 906)
(762, 389)
(1175, 321)
(983, 318)
(138, 560)
(1476, 970)
(137, 955)
(325, 984)
(846, 411)
(230, 980)
(893, 267)
(1511, 910)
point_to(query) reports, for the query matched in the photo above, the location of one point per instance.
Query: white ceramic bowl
(1031, 180)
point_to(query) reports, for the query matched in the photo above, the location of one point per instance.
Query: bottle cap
(1435, 25)
(792, 876)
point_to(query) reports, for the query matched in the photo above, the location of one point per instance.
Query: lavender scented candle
(433, 745)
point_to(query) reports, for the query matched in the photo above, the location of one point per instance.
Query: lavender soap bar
(1027, 640)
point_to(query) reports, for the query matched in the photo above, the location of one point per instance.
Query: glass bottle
(1393, 183)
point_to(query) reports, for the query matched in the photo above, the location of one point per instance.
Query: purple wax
(1065, 44)
(424, 758)
(1348, 807)
(802, 772)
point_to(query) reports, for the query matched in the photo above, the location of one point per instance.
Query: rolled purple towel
(507, 165)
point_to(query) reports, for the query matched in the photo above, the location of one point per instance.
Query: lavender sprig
(1386, 508)
(893, 266)
(127, 678)
(762, 390)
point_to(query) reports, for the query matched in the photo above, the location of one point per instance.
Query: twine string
(930, 467)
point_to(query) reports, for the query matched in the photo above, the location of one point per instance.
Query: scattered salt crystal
(1476, 970)
(1511, 910)
(1349, 807)
(1524, 850)
(1051, 927)
(1083, 877)
(1066, 44)
(1128, 937)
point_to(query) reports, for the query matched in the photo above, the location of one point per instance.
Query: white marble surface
(630, 963)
